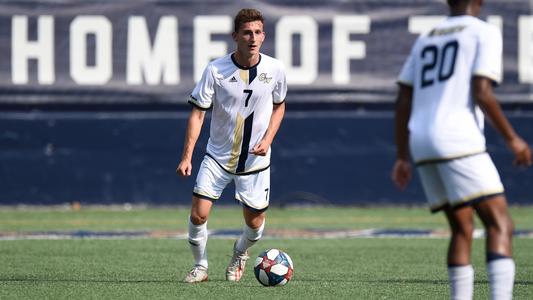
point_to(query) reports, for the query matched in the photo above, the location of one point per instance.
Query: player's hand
(401, 173)
(521, 151)
(261, 149)
(184, 168)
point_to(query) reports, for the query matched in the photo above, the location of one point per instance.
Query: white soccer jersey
(445, 122)
(242, 100)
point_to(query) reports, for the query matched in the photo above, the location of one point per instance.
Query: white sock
(461, 282)
(248, 237)
(501, 278)
(197, 242)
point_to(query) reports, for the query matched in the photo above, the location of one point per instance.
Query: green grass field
(356, 268)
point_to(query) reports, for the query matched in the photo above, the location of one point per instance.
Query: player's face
(249, 38)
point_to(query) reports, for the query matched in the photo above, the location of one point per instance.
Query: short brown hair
(246, 15)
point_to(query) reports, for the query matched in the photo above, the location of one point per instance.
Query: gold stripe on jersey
(465, 200)
(244, 75)
(237, 141)
(437, 160)
(205, 194)
(478, 195)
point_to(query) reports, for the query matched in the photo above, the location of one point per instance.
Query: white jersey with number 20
(445, 122)
(242, 100)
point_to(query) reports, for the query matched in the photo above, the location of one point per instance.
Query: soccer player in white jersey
(445, 90)
(246, 91)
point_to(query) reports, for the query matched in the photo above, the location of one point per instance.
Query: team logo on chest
(264, 77)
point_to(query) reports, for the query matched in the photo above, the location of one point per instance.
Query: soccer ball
(273, 267)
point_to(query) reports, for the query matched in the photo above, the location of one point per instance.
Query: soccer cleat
(197, 274)
(236, 265)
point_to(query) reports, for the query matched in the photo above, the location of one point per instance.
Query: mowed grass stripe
(235, 233)
(385, 268)
(12, 219)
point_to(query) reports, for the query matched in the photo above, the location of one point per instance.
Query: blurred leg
(460, 271)
(498, 224)
(494, 214)
(461, 223)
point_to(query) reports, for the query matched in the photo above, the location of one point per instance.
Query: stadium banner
(154, 51)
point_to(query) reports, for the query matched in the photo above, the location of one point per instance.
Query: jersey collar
(242, 67)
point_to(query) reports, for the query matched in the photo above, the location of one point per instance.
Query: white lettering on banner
(307, 28)
(41, 49)
(204, 48)
(158, 62)
(525, 49)
(343, 49)
(161, 60)
(80, 28)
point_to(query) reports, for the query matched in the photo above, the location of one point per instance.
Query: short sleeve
(407, 75)
(280, 89)
(204, 91)
(488, 60)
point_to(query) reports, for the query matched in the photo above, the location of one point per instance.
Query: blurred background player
(445, 87)
(246, 90)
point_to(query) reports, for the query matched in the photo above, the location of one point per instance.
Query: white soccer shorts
(460, 181)
(252, 190)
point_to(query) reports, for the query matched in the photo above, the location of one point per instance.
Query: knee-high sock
(248, 237)
(501, 274)
(461, 282)
(197, 242)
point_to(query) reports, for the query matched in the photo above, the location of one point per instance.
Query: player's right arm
(194, 127)
(484, 97)
(487, 70)
(401, 171)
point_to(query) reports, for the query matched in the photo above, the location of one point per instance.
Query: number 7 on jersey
(248, 96)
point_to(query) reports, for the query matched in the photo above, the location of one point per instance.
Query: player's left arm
(484, 97)
(273, 126)
(401, 171)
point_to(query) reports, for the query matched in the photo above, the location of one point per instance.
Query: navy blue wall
(319, 157)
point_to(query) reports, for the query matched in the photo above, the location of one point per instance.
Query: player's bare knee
(197, 219)
(255, 223)
(254, 219)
